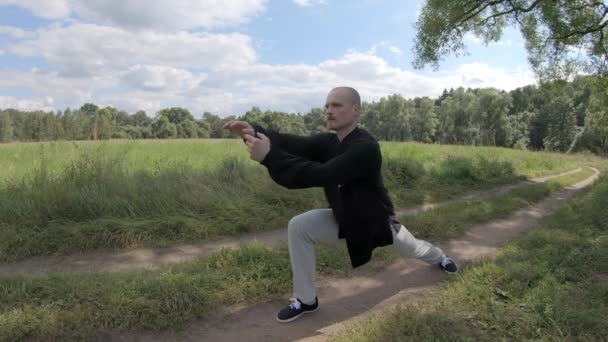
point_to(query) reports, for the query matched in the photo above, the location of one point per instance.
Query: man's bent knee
(296, 225)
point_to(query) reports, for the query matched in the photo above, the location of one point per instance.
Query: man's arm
(312, 147)
(294, 172)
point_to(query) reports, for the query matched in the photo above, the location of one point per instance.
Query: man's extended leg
(304, 231)
(409, 247)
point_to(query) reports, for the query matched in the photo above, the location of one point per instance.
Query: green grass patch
(66, 197)
(78, 306)
(550, 285)
(452, 219)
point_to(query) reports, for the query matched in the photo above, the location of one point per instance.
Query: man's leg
(409, 247)
(304, 231)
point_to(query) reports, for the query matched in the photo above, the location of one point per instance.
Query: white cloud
(14, 32)
(50, 9)
(88, 49)
(395, 50)
(146, 14)
(169, 14)
(33, 104)
(64, 90)
(359, 66)
(158, 78)
(308, 3)
(155, 80)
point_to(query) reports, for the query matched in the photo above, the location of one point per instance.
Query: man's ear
(358, 110)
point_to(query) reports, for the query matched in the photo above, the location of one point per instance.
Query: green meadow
(65, 197)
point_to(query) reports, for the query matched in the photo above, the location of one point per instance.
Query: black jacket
(350, 174)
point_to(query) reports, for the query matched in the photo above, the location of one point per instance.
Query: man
(347, 165)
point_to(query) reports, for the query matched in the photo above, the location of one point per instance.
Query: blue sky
(227, 56)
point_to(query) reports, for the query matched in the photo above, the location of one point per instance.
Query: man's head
(342, 108)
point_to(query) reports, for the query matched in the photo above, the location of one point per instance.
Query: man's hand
(258, 148)
(239, 127)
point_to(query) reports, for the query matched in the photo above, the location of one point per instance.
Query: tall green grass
(76, 306)
(63, 197)
(550, 285)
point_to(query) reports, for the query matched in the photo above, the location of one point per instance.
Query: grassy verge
(550, 285)
(451, 220)
(78, 306)
(74, 197)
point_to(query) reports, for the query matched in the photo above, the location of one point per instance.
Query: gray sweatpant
(319, 225)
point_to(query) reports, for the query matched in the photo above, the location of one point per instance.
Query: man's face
(340, 110)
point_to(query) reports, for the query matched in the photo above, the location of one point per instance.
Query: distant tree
(316, 121)
(176, 115)
(89, 110)
(106, 122)
(443, 96)
(518, 130)
(455, 116)
(203, 129)
(491, 116)
(6, 127)
(561, 124)
(140, 119)
(424, 121)
(597, 120)
(187, 129)
(164, 129)
(123, 119)
(215, 124)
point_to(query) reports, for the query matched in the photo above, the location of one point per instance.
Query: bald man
(347, 165)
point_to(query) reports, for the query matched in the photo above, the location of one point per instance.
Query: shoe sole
(296, 317)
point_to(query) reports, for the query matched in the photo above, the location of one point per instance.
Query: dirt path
(126, 260)
(345, 300)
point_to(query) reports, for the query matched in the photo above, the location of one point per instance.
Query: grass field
(549, 285)
(65, 197)
(78, 306)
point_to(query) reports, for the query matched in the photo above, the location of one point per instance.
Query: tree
(316, 121)
(106, 122)
(517, 130)
(140, 119)
(203, 129)
(424, 121)
(6, 127)
(551, 29)
(215, 124)
(123, 119)
(89, 110)
(176, 115)
(490, 116)
(561, 124)
(164, 129)
(187, 129)
(597, 120)
(456, 120)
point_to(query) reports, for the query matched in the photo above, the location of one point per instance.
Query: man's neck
(342, 133)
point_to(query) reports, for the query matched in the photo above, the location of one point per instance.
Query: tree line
(557, 116)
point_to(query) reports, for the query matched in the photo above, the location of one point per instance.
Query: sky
(225, 56)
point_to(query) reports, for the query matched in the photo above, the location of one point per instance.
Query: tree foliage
(552, 29)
